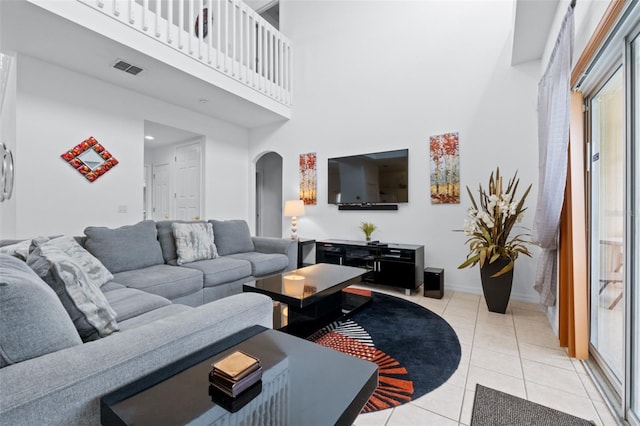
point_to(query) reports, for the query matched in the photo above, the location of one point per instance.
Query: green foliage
(368, 228)
(490, 222)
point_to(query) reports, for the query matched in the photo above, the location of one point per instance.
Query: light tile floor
(516, 353)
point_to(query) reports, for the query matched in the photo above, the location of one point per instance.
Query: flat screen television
(379, 177)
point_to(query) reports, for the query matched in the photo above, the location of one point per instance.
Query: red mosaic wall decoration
(90, 159)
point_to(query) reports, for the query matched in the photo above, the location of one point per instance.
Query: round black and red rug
(415, 349)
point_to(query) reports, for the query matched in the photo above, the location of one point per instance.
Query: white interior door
(161, 192)
(188, 176)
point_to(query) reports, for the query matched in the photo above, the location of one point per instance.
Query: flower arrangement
(368, 228)
(490, 222)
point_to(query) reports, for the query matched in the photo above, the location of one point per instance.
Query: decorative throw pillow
(126, 248)
(87, 306)
(194, 241)
(32, 320)
(22, 249)
(95, 270)
(232, 236)
(19, 250)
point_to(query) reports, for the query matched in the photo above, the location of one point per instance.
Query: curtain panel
(553, 138)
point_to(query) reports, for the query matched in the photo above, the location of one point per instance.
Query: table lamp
(293, 209)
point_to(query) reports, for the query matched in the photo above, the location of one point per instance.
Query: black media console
(397, 265)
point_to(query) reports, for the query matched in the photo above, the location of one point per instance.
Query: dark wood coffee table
(301, 312)
(302, 384)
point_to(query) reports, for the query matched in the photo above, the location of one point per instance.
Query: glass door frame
(632, 248)
(617, 51)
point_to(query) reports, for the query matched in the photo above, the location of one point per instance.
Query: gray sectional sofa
(164, 311)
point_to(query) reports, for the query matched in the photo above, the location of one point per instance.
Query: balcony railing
(236, 40)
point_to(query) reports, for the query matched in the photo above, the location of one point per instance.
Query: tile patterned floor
(516, 353)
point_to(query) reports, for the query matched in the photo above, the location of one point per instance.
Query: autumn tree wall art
(308, 178)
(445, 168)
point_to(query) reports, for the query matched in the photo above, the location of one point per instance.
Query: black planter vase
(497, 291)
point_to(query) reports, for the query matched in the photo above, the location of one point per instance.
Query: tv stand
(397, 265)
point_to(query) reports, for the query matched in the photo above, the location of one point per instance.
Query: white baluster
(218, 20)
(226, 36)
(210, 24)
(233, 43)
(100, 3)
(116, 8)
(241, 41)
(170, 23)
(189, 36)
(253, 42)
(158, 16)
(201, 24)
(132, 18)
(145, 12)
(180, 23)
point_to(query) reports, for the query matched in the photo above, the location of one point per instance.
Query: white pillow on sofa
(94, 269)
(85, 303)
(194, 241)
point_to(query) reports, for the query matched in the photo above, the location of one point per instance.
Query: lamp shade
(294, 208)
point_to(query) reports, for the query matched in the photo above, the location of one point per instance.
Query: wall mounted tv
(369, 179)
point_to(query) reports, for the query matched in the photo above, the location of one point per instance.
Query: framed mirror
(90, 158)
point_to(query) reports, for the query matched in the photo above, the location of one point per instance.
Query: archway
(269, 195)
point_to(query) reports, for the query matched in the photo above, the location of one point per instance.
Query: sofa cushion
(33, 321)
(232, 236)
(126, 248)
(167, 281)
(129, 302)
(194, 241)
(264, 263)
(94, 269)
(153, 316)
(221, 270)
(84, 302)
(167, 241)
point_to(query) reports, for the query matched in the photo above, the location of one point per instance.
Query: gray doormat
(495, 408)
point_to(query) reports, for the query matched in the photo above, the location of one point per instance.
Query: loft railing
(236, 40)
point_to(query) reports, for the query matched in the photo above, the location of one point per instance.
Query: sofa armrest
(65, 387)
(284, 246)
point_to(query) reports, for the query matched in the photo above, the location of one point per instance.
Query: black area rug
(494, 408)
(415, 349)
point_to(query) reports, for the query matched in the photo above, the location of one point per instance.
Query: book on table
(235, 373)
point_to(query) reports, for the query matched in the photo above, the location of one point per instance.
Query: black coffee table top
(321, 280)
(324, 386)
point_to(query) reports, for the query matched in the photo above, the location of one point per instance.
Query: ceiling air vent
(126, 67)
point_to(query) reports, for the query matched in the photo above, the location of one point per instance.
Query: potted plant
(368, 228)
(489, 224)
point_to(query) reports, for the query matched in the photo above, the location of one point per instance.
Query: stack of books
(235, 373)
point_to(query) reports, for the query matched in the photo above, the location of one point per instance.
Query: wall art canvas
(308, 177)
(90, 159)
(445, 168)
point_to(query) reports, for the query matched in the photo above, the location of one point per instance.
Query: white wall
(57, 108)
(372, 76)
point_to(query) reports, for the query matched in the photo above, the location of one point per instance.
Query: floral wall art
(308, 177)
(445, 168)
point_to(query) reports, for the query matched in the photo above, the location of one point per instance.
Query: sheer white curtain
(553, 139)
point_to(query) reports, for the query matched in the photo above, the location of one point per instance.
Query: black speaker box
(434, 282)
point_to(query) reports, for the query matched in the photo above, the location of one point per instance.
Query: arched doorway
(269, 195)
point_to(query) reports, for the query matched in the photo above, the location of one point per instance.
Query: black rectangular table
(303, 384)
(319, 302)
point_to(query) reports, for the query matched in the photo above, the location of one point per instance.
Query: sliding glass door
(612, 99)
(607, 226)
